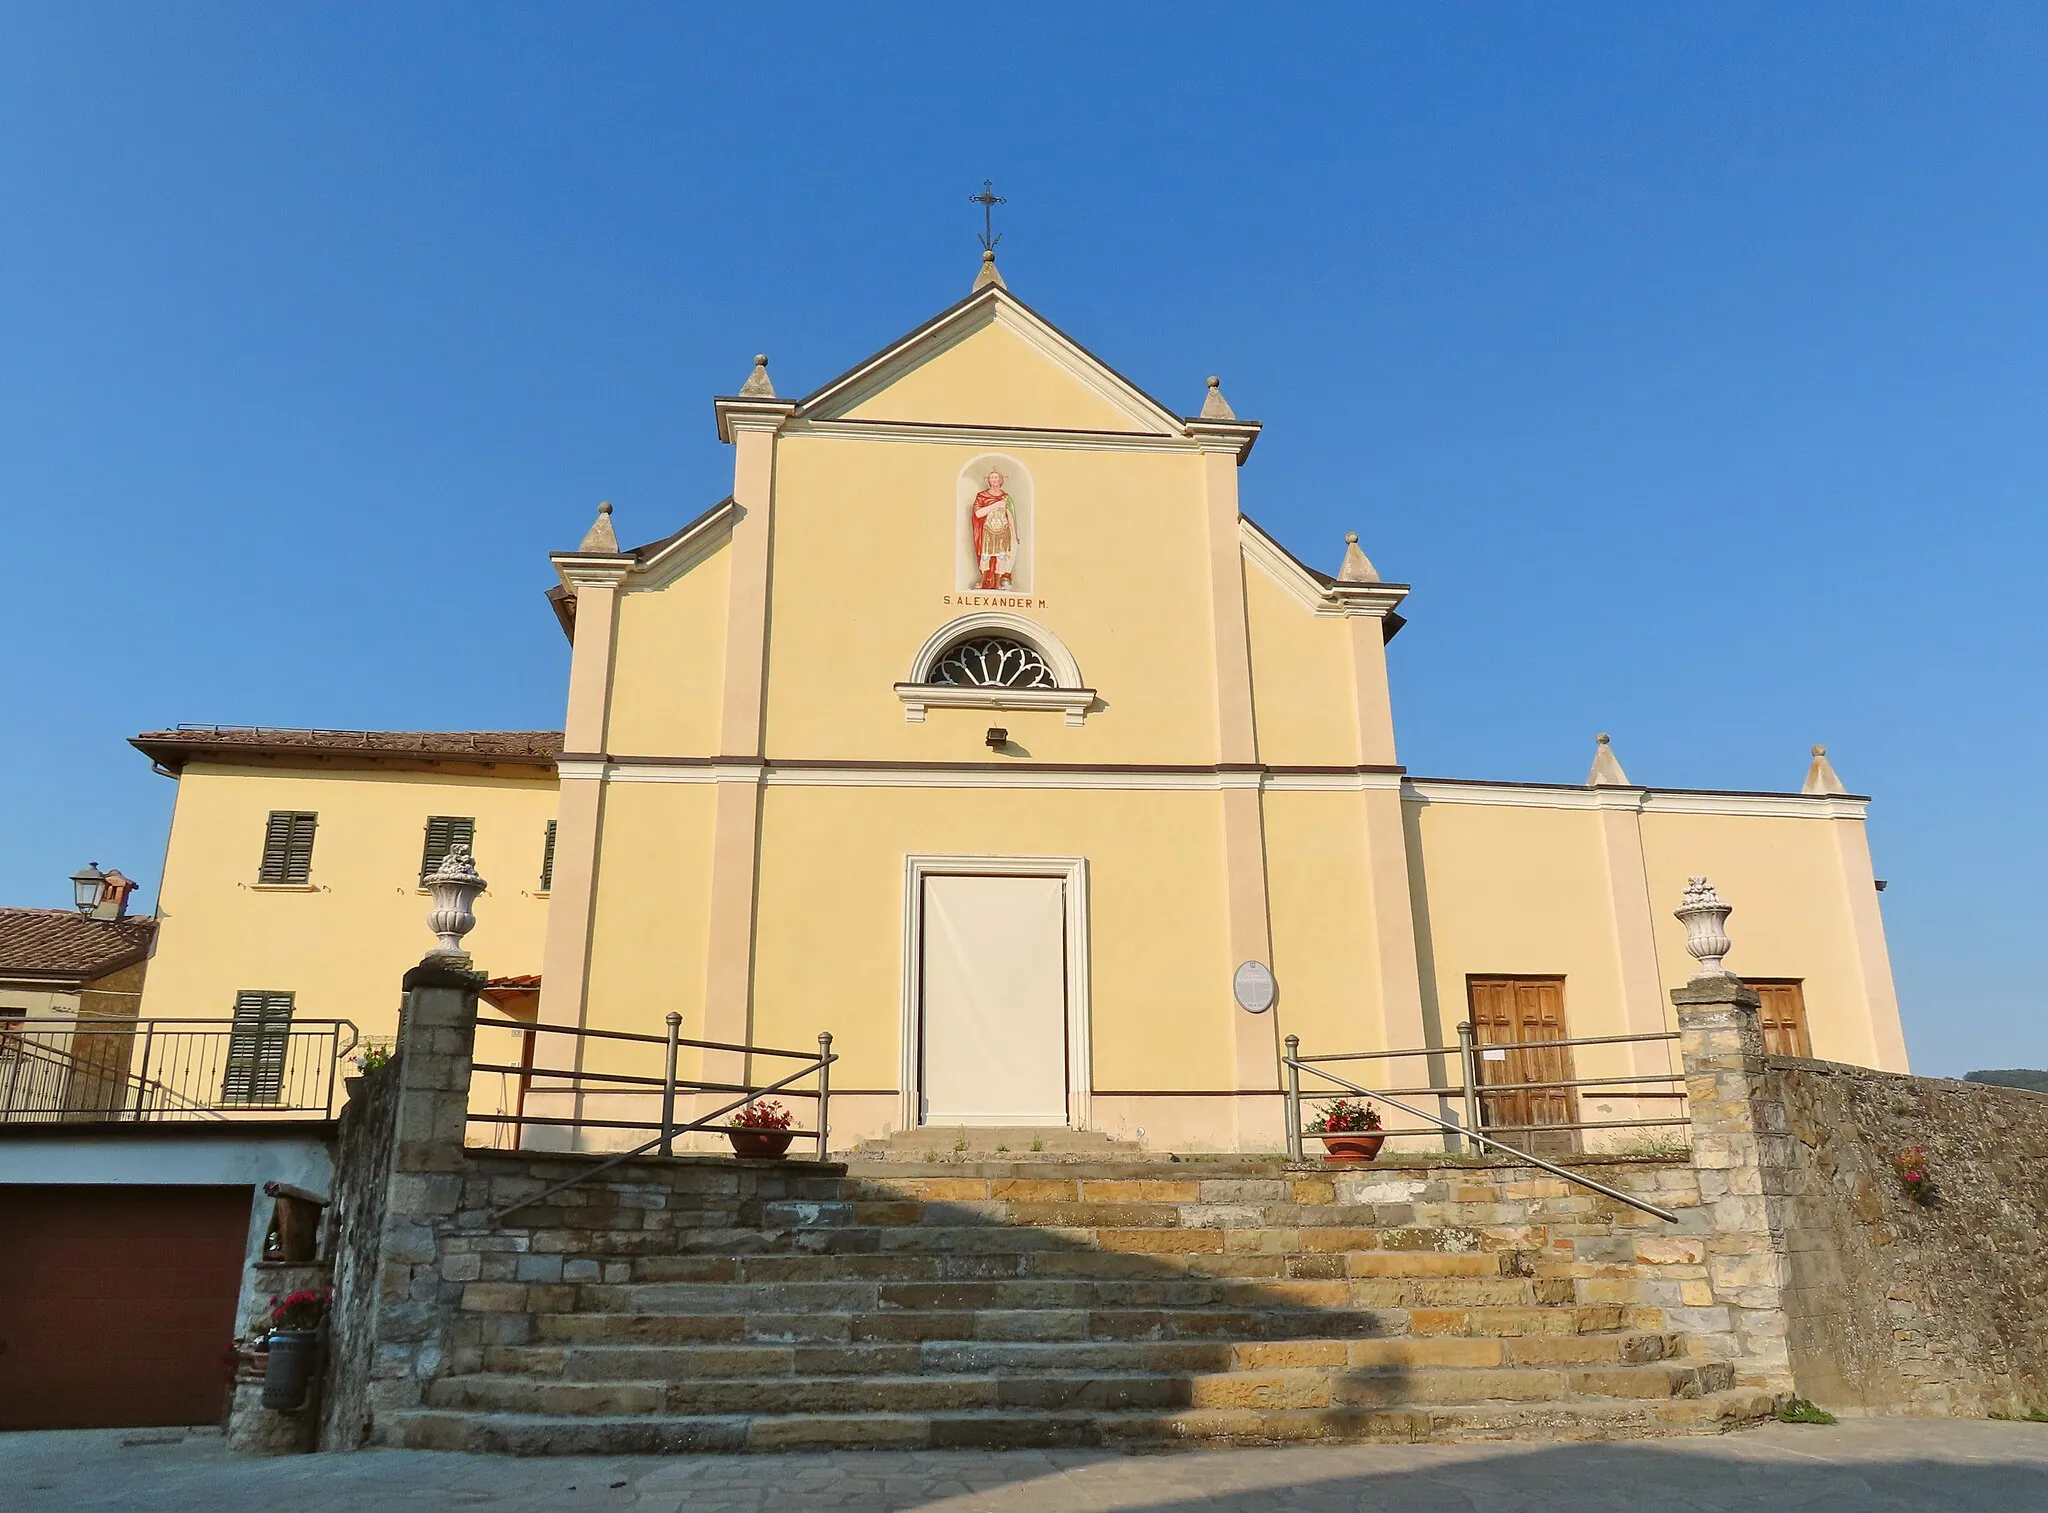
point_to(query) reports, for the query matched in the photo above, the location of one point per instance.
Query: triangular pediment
(991, 361)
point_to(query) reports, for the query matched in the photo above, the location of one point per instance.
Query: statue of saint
(995, 533)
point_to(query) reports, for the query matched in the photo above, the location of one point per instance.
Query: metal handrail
(1508, 1045)
(159, 1067)
(670, 1084)
(1295, 1067)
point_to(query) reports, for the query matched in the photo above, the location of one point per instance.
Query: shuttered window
(443, 831)
(547, 860)
(288, 846)
(256, 1047)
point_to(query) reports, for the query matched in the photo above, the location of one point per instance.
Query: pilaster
(1255, 1043)
(751, 425)
(1866, 927)
(1633, 923)
(1743, 1153)
(1391, 905)
(572, 895)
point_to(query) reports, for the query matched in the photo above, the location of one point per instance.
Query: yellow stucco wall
(1521, 892)
(831, 927)
(1791, 919)
(343, 943)
(1323, 952)
(670, 665)
(864, 572)
(1301, 678)
(994, 376)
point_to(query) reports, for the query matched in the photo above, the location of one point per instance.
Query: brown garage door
(116, 1303)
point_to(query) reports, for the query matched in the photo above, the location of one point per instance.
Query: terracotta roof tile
(64, 943)
(173, 748)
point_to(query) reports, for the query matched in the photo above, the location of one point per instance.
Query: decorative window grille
(257, 1043)
(547, 860)
(993, 662)
(287, 847)
(443, 831)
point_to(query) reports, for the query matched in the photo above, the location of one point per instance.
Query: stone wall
(1898, 1306)
(355, 1222)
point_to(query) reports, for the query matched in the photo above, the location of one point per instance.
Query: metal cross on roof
(988, 199)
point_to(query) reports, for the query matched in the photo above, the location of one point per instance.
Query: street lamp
(86, 886)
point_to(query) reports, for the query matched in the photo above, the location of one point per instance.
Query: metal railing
(583, 1083)
(138, 1070)
(1473, 1091)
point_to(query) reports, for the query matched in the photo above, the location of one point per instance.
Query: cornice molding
(990, 305)
(1318, 597)
(1422, 791)
(660, 568)
(979, 434)
(741, 412)
(918, 697)
(589, 570)
(1236, 437)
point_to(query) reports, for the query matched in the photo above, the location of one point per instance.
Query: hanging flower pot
(294, 1348)
(761, 1131)
(288, 1373)
(1349, 1131)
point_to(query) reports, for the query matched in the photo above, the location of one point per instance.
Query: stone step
(933, 1144)
(668, 1434)
(1180, 1289)
(899, 1326)
(1082, 1264)
(1002, 1349)
(1043, 1379)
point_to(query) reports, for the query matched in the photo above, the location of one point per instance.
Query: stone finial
(1705, 919)
(1357, 567)
(601, 539)
(988, 274)
(1606, 771)
(758, 385)
(455, 885)
(1820, 775)
(1214, 405)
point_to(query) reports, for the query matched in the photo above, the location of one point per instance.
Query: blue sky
(1689, 361)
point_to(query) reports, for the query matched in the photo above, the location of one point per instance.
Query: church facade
(881, 744)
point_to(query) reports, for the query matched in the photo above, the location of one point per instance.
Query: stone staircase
(698, 1305)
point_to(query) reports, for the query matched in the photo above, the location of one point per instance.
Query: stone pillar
(435, 1045)
(1742, 1150)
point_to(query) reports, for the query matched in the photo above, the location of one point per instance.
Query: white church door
(994, 1001)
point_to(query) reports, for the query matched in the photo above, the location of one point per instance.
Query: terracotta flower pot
(760, 1144)
(1358, 1145)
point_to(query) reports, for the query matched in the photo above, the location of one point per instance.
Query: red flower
(764, 1113)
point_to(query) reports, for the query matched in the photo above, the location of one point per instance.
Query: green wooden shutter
(443, 831)
(288, 846)
(547, 860)
(256, 1047)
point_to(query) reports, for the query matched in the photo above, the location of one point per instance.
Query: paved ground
(1872, 1466)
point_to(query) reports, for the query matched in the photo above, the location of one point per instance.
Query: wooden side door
(1784, 1017)
(1526, 1013)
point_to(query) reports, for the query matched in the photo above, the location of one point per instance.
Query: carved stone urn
(1705, 919)
(455, 885)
